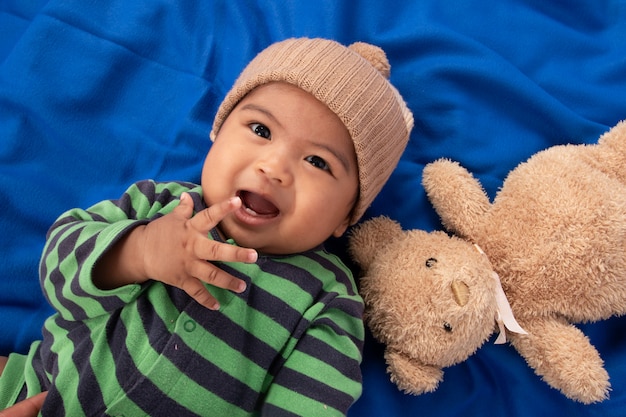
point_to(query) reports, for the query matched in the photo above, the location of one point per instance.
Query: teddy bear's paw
(592, 394)
(564, 357)
(411, 376)
(587, 381)
(457, 196)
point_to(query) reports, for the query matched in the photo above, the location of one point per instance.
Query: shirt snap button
(189, 326)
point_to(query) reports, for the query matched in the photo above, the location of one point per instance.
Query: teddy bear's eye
(447, 327)
(430, 262)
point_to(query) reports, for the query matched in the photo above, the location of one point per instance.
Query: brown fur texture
(556, 236)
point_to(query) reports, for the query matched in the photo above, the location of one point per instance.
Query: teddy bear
(547, 253)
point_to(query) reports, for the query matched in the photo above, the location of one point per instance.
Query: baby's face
(292, 162)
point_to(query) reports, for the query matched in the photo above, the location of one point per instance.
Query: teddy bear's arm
(561, 354)
(456, 195)
(411, 376)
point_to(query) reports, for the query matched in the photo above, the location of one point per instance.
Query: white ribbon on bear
(504, 314)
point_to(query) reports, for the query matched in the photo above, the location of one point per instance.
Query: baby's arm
(322, 376)
(174, 249)
(82, 248)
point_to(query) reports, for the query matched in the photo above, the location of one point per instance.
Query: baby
(219, 299)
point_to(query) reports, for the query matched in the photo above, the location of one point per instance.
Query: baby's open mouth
(257, 205)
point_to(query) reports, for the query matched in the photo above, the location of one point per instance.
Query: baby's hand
(177, 250)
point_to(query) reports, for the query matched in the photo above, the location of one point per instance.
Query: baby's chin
(268, 247)
(247, 239)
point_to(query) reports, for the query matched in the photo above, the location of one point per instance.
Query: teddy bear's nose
(460, 292)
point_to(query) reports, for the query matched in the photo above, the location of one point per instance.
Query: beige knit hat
(353, 82)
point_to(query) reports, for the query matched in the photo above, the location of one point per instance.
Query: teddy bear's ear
(411, 376)
(369, 237)
(615, 137)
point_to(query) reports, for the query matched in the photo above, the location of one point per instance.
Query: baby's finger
(204, 272)
(185, 206)
(208, 218)
(198, 292)
(212, 250)
(27, 407)
(212, 275)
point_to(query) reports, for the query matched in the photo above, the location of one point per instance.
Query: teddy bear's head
(429, 298)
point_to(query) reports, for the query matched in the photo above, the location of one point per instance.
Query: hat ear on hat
(374, 55)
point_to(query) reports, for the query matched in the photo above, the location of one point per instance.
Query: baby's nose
(277, 167)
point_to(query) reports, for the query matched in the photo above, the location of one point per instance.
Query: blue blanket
(95, 95)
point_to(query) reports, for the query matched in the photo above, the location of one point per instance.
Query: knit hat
(353, 82)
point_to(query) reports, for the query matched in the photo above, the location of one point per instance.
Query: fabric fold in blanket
(97, 95)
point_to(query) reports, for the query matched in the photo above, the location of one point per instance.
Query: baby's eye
(261, 130)
(317, 162)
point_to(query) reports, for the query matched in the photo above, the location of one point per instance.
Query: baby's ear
(369, 237)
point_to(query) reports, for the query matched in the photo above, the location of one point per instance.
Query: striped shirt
(290, 345)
